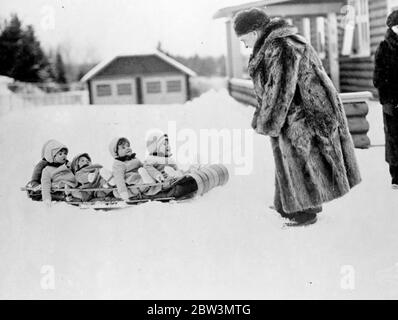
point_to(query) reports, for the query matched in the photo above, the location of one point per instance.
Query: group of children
(55, 178)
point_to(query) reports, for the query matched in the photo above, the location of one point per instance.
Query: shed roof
(148, 63)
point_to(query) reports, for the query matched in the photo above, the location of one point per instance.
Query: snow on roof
(100, 66)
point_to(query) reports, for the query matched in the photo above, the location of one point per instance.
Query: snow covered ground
(226, 244)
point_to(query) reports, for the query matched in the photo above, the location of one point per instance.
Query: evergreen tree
(21, 56)
(60, 76)
(10, 39)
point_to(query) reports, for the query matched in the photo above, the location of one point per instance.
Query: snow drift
(226, 244)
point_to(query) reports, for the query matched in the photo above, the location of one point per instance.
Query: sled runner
(113, 204)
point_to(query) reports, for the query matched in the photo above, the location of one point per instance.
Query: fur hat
(51, 148)
(250, 20)
(115, 144)
(75, 162)
(154, 140)
(392, 19)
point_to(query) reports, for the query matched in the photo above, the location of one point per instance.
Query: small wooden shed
(153, 78)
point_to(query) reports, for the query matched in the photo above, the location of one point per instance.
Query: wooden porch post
(234, 57)
(333, 49)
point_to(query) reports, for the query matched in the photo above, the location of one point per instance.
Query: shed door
(114, 91)
(164, 89)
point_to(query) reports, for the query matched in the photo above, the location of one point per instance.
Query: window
(174, 86)
(104, 90)
(153, 87)
(124, 89)
(356, 41)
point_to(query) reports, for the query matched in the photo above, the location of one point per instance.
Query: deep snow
(225, 245)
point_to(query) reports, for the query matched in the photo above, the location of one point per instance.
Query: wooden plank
(361, 141)
(377, 4)
(356, 109)
(356, 74)
(358, 124)
(354, 88)
(357, 66)
(364, 83)
(377, 13)
(376, 31)
(376, 40)
(244, 98)
(355, 96)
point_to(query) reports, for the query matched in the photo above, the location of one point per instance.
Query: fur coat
(385, 77)
(299, 108)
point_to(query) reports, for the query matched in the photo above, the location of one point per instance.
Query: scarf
(126, 158)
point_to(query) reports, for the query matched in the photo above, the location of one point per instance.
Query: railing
(355, 105)
(56, 98)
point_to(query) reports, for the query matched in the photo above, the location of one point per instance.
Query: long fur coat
(299, 108)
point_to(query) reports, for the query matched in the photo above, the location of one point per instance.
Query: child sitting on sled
(163, 168)
(91, 176)
(57, 173)
(34, 185)
(128, 170)
(159, 162)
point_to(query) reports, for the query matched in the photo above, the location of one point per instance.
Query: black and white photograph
(199, 150)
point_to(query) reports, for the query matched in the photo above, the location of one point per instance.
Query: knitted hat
(51, 148)
(45, 145)
(392, 19)
(115, 143)
(250, 20)
(75, 162)
(154, 140)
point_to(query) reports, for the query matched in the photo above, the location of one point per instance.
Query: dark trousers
(391, 136)
(184, 187)
(394, 174)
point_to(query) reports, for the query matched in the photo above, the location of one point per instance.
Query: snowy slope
(227, 244)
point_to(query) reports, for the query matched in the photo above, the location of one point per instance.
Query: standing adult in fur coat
(386, 81)
(299, 108)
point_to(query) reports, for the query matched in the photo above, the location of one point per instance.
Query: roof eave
(229, 11)
(100, 66)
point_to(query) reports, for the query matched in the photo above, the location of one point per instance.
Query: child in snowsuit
(128, 170)
(91, 176)
(159, 162)
(162, 168)
(35, 182)
(57, 173)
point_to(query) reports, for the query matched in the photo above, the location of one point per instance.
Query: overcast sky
(94, 29)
